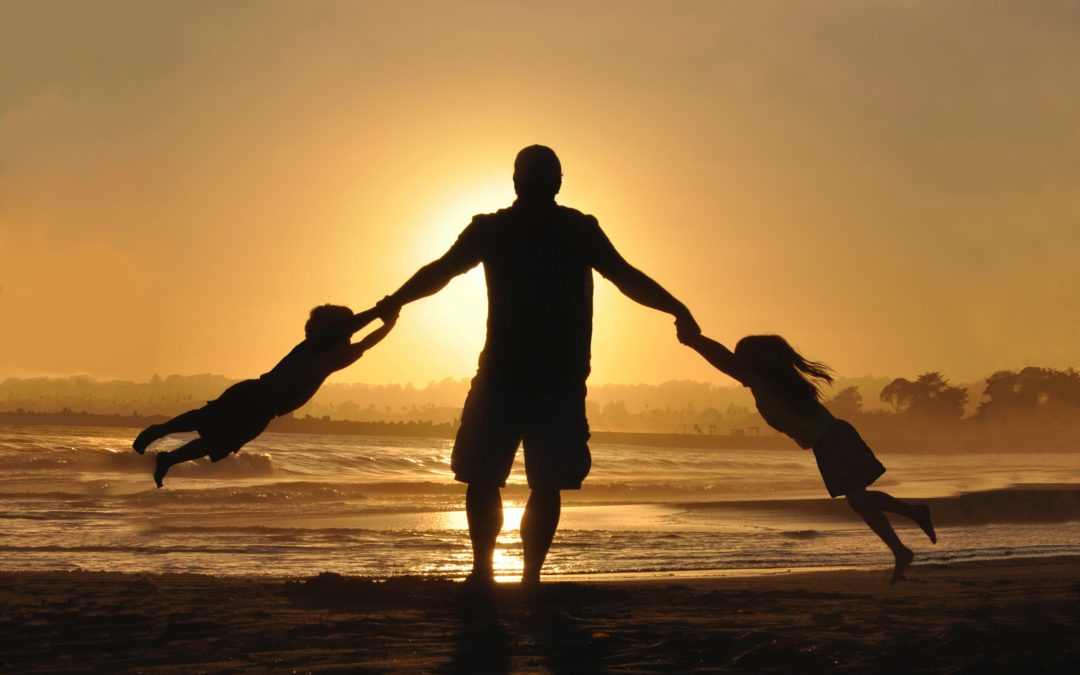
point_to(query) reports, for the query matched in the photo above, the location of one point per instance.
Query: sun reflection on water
(507, 559)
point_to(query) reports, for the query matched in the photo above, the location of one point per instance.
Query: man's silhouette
(530, 385)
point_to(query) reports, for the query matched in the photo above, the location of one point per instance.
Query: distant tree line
(1031, 397)
(673, 406)
(1006, 394)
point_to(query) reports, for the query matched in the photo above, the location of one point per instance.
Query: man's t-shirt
(538, 262)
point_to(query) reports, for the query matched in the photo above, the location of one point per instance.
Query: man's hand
(391, 319)
(388, 309)
(686, 328)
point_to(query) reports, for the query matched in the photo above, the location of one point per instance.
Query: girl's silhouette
(785, 389)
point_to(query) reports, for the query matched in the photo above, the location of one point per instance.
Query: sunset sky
(893, 186)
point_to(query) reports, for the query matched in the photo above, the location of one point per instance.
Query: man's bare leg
(538, 525)
(483, 507)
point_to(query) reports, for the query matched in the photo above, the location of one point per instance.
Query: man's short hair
(537, 172)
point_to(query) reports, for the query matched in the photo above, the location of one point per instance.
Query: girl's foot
(923, 521)
(903, 560)
(161, 467)
(145, 438)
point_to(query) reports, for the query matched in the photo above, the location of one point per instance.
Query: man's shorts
(550, 424)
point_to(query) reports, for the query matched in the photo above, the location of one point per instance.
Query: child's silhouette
(785, 389)
(244, 409)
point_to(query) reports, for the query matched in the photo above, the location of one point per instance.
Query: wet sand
(999, 616)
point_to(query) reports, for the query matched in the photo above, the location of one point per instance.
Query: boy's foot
(923, 521)
(903, 560)
(161, 467)
(144, 439)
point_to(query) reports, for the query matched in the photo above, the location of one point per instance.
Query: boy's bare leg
(920, 513)
(184, 422)
(538, 525)
(874, 517)
(483, 507)
(166, 460)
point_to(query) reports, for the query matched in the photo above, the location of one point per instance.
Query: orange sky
(893, 186)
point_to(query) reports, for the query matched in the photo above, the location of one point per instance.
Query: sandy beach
(1016, 615)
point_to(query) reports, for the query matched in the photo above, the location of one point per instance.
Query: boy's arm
(718, 355)
(357, 349)
(361, 319)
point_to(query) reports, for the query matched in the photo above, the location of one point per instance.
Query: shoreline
(1015, 615)
(511, 581)
(506, 583)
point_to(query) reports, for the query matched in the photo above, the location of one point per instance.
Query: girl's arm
(719, 356)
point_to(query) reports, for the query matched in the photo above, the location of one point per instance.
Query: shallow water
(294, 504)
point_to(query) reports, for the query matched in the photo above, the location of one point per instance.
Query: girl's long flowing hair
(771, 356)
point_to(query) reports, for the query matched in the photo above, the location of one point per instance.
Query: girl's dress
(845, 461)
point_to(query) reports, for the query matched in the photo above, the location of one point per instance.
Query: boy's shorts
(233, 419)
(550, 424)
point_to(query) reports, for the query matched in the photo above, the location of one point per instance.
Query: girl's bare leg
(184, 422)
(861, 502)
(166, 460)
(919, 513)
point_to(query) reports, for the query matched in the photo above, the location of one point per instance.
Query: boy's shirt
(295, 379)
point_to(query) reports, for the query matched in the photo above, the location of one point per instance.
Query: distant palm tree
(899, 394)
(930, 395)
(846, 403)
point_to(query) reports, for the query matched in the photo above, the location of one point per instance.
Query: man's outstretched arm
(430, 278)
(634, 283)
(642, 289)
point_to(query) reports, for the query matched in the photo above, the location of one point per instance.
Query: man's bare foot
(479, 586)
(480, 578)
(923, 521)
(145, 438)
(161, 467)
(903, 560)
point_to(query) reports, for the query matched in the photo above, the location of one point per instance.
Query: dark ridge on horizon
(1051, 503)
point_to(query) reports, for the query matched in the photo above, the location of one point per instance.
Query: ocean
(297, 504)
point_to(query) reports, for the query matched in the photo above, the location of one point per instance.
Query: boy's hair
(325, 319)
(772, 357)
